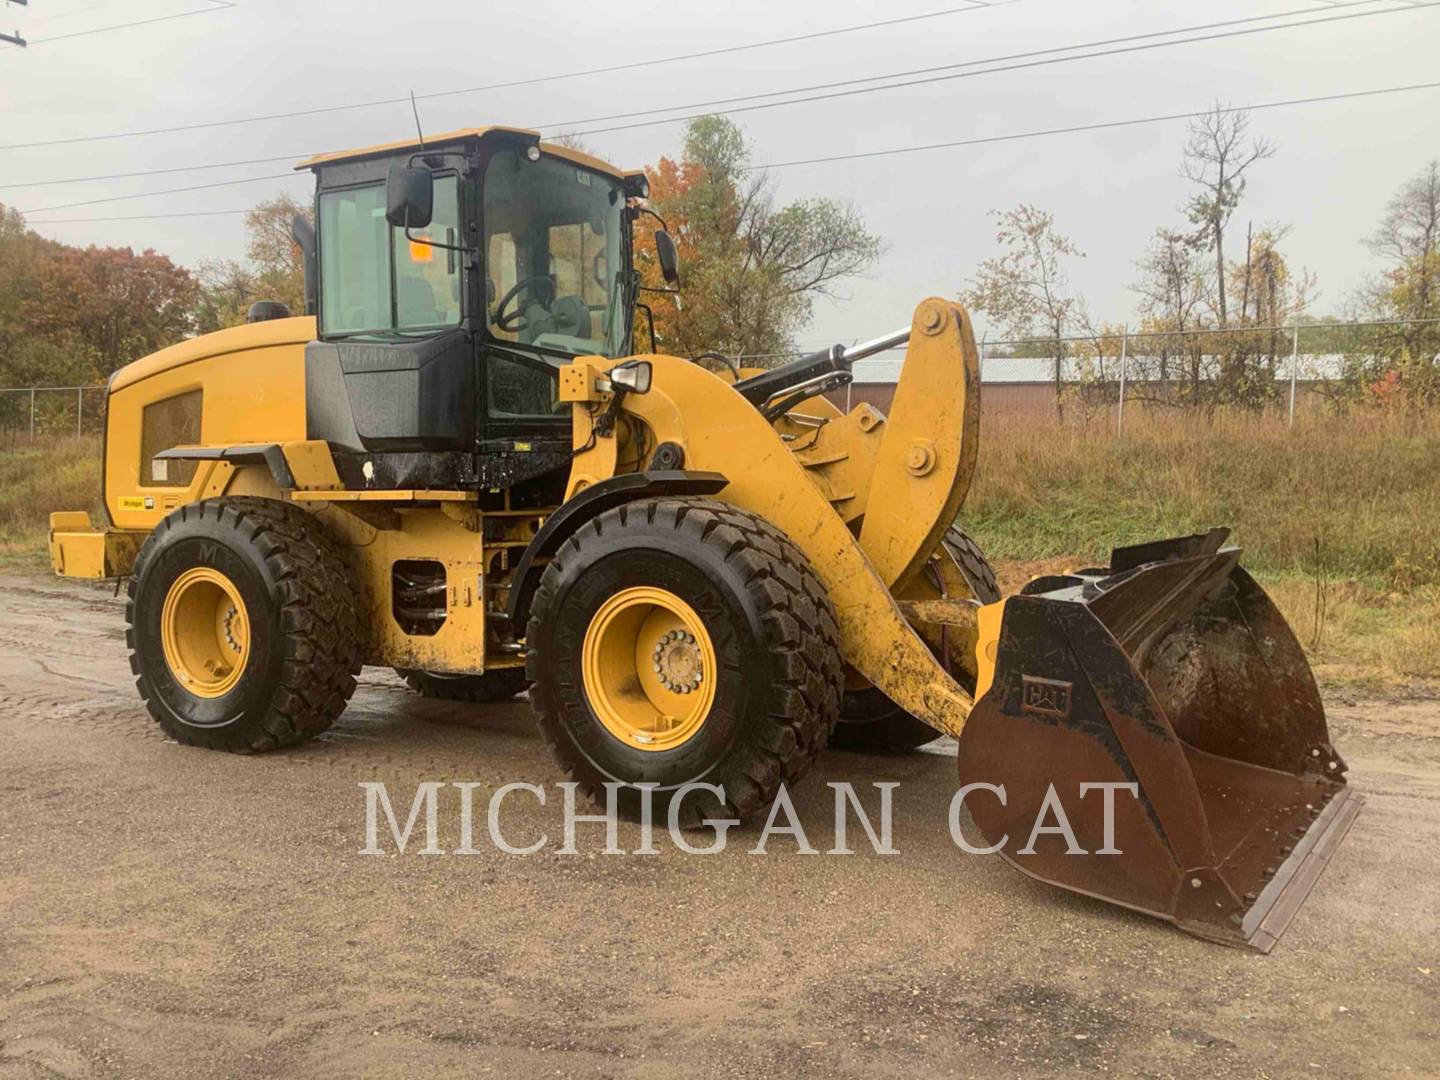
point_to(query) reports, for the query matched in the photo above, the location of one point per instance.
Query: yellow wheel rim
(649, 668)
(205, 632)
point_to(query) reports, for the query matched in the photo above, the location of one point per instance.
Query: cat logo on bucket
(1048, 697)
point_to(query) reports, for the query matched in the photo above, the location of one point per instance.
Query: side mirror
(633, 375)
(409, 196)
(303, 232)
(669, 257)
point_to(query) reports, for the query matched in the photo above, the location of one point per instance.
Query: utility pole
(15, 39)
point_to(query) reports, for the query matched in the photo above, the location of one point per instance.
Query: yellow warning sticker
(132, 502)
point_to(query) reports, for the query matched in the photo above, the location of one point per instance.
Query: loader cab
(453, 282)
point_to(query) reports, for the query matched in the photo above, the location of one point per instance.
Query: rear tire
(243, 625)
(754, 630)
(502, 684)
(870, 723)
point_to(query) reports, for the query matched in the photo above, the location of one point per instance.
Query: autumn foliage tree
(752, 267)
(273, 270)
(74, 315)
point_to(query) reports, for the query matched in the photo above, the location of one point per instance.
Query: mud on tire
(775, 635)
(303, 621)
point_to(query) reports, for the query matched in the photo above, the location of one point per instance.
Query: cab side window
(427, 278)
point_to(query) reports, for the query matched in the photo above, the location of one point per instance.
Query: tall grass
(1340, 517)
(1355, 497)
(40, 477)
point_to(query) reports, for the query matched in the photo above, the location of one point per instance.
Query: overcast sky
(1337, 162)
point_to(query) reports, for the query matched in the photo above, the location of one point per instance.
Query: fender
(305, 465)
(718, 428)
(267, 454)
(589, 503)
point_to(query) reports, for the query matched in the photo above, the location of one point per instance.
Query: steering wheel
(513, 321)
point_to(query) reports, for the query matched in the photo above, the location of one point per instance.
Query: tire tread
(319, 618)
(798, 622)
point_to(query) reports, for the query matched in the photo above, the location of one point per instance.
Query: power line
(158, 172)
(165, 191)
(974, 5)
(220, 5)
(138, 217)
(1028, 54)
(1050, 61)
(981, 140)
(1100, 126)
(1049, 52)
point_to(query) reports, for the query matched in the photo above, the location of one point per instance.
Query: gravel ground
(167, 912)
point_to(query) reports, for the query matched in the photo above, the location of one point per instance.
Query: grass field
(1340, 518)
(36, 479)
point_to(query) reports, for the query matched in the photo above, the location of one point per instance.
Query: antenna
(416, 110)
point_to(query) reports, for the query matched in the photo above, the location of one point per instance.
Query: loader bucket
(1173, 672)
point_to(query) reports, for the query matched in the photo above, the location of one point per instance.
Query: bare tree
(1410, 228)
(1174, 292)
(1026, 289)
(1218, 153)
(1409, 237)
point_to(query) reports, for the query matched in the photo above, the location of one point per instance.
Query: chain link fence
(1112, 375)
(1117, 373)
(50, 412)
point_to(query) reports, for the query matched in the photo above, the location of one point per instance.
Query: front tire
(242, 625)
(680, 641)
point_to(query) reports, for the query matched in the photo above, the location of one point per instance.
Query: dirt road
(174, 912)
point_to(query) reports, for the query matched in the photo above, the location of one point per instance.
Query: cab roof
(579, 157)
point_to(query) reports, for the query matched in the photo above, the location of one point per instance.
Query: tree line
(73, 315)
(1212, 314)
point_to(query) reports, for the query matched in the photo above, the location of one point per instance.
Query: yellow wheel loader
(456, 466)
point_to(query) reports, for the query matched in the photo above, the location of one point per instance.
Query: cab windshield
(554, 265)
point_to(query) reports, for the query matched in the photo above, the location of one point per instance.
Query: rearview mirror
(669, 257)
(409, 196)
